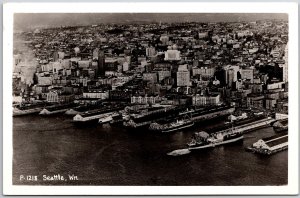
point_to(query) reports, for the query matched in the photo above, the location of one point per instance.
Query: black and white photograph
(151, 99)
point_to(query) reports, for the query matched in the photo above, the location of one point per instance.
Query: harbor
(112, 155)
(134, 102)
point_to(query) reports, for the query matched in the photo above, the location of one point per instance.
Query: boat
(202, 140)
(179, 152)
(174, 126)
(171, 127)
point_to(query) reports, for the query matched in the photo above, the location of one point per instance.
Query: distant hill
(25, 21)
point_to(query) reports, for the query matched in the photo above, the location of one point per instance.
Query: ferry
(202, 140)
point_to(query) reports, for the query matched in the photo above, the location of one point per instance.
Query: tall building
(162, 74)
(247, 74)
(183, 76)
(55, 56)
(101, 63)
(230, 77)
(285, 65)
(95, 54)
(150, 51)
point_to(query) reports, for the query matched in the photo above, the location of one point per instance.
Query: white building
(285, 65)
(247, 74)
(183, 76)
(96, 94)
(211, 100)
(145, 99)
(204, 71)
(172, 55)
(125, 66)
(150, 51)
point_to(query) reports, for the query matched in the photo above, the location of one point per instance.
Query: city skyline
(25, 21)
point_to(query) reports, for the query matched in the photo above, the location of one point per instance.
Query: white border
(291, 8)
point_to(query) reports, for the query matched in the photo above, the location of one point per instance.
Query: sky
(23, 21)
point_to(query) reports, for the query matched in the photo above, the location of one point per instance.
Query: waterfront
(105, 155)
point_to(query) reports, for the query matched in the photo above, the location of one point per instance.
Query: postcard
(150, 98)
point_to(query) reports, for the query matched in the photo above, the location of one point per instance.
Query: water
(105, 155)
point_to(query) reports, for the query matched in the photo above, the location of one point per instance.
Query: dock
(270, 145)
(249, 126)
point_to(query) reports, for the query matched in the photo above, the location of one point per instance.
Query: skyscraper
(285, 65)
(101, 63)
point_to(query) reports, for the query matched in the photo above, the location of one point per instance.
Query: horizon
(27, 21)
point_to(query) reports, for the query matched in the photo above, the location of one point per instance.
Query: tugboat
(203, 140)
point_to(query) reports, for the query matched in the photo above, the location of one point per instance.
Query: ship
(171, 127)
(281, 125)
(175, 126)
(202, 139)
